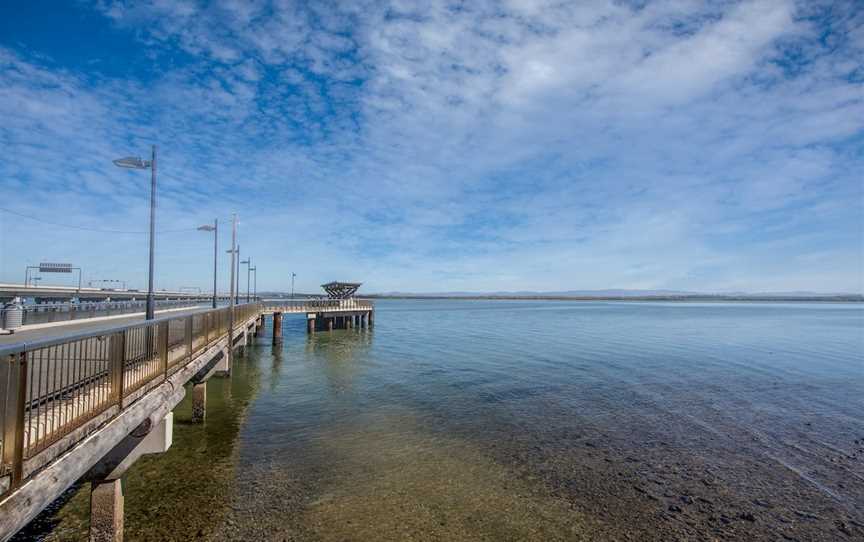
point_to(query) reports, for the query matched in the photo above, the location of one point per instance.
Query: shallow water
(512, 420)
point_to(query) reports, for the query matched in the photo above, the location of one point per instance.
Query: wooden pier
(339, 310)
(84, 407)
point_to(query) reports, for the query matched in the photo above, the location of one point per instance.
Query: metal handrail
(43, 313)
(60, 339)
(318, 303)
(52, 387)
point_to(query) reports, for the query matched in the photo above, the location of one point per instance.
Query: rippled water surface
(506, 420)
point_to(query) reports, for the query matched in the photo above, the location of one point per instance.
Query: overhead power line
(85, 228)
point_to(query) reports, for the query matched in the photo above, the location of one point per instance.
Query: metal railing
(316, 304)
(43, 313)
(50, 388)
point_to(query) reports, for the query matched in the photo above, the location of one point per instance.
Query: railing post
(163, 347)
(208, 318)
(13, 423)
(188, 336)
(118, 355)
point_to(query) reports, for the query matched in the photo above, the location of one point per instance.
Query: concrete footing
(199, 402)
(106, 511)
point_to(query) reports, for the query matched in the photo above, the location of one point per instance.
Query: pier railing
(43, 313)
(318, 304)
(54, 387)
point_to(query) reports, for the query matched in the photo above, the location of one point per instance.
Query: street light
(215, 229)
(237, 276)
(292, 285)
(255, 283)
(133, 162)
(248, 262)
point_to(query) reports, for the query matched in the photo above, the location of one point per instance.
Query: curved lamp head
(132, 162)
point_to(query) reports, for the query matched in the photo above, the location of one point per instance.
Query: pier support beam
(106, 488)
(330, 324)
(106, 511)
(277, 328)
(310, 324)
(241, 345)
(199, 402)
(223, 367)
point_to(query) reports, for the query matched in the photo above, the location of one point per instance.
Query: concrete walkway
(79, 326)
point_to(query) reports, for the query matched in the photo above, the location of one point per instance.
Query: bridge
(11, 291)
(85, 407)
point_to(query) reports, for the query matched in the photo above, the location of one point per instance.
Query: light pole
(215, 229)
(234, 250)
(133, 162)
(292, 285)
(237, 279)
(255, 284)
(248, 263)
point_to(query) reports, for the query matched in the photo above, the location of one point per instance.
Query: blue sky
(441, 146)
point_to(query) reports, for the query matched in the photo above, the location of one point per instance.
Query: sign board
(55, 267)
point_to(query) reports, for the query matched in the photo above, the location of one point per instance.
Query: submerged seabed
(507, 420)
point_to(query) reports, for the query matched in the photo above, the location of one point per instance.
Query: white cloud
(585, 145)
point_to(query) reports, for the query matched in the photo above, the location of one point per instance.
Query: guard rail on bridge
(43, 313)
(52, 388)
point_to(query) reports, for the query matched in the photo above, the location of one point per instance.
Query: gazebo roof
(341, 290)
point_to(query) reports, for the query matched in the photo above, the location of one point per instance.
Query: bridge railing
(43, 313)
(52, 388)
(322, 304)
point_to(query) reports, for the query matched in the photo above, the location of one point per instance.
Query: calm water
(503, 420)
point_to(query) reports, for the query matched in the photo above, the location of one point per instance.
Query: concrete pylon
(199, 402)
(106, 511)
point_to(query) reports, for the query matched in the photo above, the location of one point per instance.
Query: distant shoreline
(683, 298)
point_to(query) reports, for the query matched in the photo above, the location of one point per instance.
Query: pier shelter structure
(340, 309)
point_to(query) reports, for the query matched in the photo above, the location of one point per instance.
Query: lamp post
(292, 285)
(248, 263)
(255, 283)
(215, 229)
(132, 162)
(237, 276)
(234, 250)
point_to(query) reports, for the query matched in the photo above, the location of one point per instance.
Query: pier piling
(106, 511)
(277, 327)
(199, 402)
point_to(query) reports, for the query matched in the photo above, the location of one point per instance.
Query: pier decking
(340, 310)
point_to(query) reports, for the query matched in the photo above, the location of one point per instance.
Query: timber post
(277, 328)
